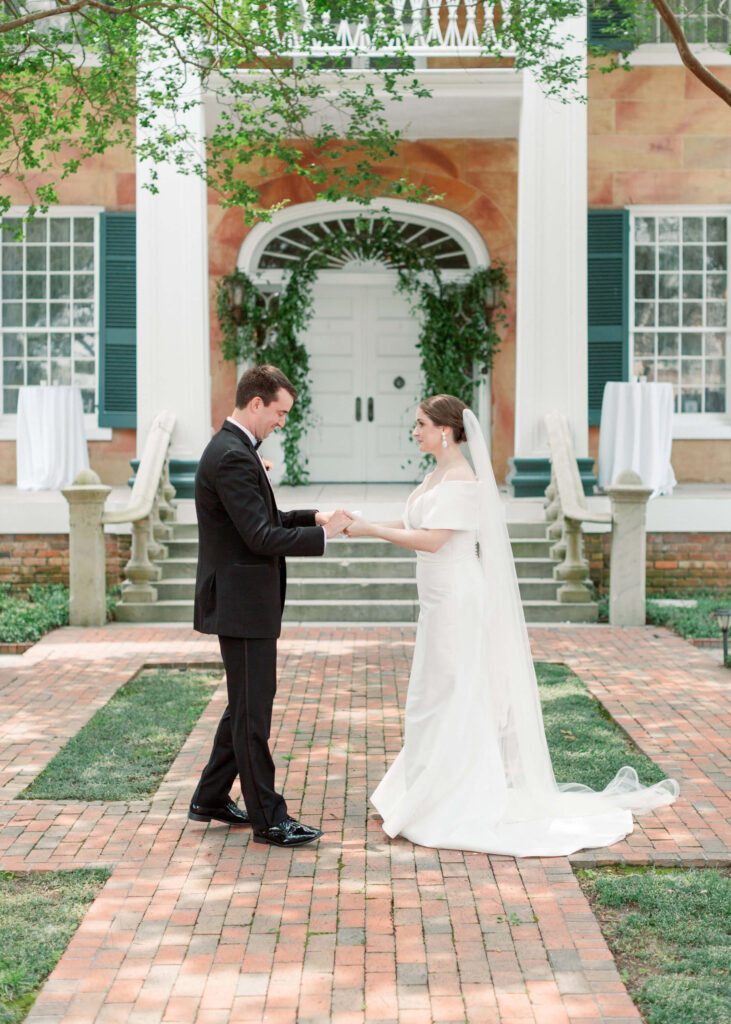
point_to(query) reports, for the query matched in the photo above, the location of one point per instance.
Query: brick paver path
(196, 923)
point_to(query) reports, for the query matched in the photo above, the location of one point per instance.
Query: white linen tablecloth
(51, 445)
(636, 432)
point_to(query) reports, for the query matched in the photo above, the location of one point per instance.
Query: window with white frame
(49, 304)
(679, 284)
(703, 21)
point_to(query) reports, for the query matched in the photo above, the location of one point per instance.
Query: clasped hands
(341, 521)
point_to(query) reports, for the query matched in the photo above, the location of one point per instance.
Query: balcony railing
(423, 28)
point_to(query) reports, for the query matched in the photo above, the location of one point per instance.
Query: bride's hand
(358, 528)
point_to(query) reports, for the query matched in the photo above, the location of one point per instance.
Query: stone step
(532, 548)
(529, 567)
(351, 589)
(536, 612)
(189, 531)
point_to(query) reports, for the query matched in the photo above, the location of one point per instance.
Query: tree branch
(688, 58)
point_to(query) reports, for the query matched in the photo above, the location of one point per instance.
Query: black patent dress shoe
(229, 814)
(287, 833)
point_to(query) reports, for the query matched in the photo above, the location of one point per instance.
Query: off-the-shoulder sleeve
(452, 505)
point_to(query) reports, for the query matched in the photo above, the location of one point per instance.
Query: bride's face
(427, 434)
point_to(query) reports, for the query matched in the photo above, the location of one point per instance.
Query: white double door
(364, 371)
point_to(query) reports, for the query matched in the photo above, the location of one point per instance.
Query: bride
(474, 772)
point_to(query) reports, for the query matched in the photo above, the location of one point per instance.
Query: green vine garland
(456, 338)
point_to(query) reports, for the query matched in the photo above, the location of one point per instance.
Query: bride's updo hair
(446, 411)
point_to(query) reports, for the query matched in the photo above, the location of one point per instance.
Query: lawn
(670, 931)
(586, 744)
(124, 751)
(38, 915)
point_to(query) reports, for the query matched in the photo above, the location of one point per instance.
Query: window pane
(12, 257)
(668, 314)
(36, 230)
(83, 257)
(644, 314)
(668, 229)
(716, 314)
(667, 371)
(35, 286)
(692, 257)
(88, 399)
(60, 257)
(692, 286)
(669, 256)
(715, 344)
(12, 285)
(692, 344)
(644, 344)
(60, 286)
(61, 314)
(84, 286)
(645, 257)
(12, 314)
(690, 400)
(645, 286)
(10, 401)
(83, 229)
(60, 371)
(60, 229)
(715, 372)
(37, 371)
(667, 344)
(60, 345)
(669, 284)
(83, 346)
(37, 346)
(715, 257)
(692, 370)
(716, 228)
(35, 259)
(83, 314)
(716, 286)
(715, 400)
(13, 371)
(36, 315)
(692, 314)
(692, 229)
(645, 229)
(13, 344)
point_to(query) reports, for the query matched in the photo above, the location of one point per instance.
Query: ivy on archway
(457, 341)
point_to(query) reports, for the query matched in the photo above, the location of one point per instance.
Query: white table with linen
(51, 445)
(636, 432)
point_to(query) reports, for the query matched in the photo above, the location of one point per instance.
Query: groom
(239, 595)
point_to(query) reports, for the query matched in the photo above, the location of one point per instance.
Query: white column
(551, 344)
(173, 366)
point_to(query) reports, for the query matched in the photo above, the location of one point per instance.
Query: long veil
(533, 793)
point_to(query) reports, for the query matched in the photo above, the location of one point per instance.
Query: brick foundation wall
(44, 558)
(675, 561)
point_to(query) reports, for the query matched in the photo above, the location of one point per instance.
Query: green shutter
(608, 280)
(117, 321)
(604, 17)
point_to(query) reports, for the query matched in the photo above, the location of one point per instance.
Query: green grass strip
(38, 915)
(670, 931)
(124, 751)
(585, 742)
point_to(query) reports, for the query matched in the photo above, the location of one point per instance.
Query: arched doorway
(362, 339)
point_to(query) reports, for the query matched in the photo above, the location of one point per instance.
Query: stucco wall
(478, 180)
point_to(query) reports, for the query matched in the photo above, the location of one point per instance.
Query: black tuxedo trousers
(239, 595)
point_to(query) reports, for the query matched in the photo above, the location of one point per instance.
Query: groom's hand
(335, 523)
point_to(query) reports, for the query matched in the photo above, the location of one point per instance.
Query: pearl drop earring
(444, 438)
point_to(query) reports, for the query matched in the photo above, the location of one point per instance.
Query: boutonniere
(268, 466)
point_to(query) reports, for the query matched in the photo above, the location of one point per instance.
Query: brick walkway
(198, 924)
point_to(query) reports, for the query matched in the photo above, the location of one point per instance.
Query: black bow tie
(257, 444)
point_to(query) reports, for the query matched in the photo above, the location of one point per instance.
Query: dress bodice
(449, 505)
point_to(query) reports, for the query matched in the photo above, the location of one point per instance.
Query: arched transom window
(290, 245)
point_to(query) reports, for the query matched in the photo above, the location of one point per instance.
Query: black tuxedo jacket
(242, 541)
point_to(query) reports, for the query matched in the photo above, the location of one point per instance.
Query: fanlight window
(294, 243)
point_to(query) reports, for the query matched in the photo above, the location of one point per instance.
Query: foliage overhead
(281, 94)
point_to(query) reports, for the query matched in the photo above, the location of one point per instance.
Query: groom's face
(270, 417)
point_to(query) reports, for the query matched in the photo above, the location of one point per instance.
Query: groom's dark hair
(263, 382)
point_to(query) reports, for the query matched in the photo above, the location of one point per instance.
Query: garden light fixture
(724, 617)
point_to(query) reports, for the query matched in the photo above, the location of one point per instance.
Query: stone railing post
(629, 498)
(574, 570)
(87, 553)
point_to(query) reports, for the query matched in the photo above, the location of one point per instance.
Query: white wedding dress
(474, 772)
